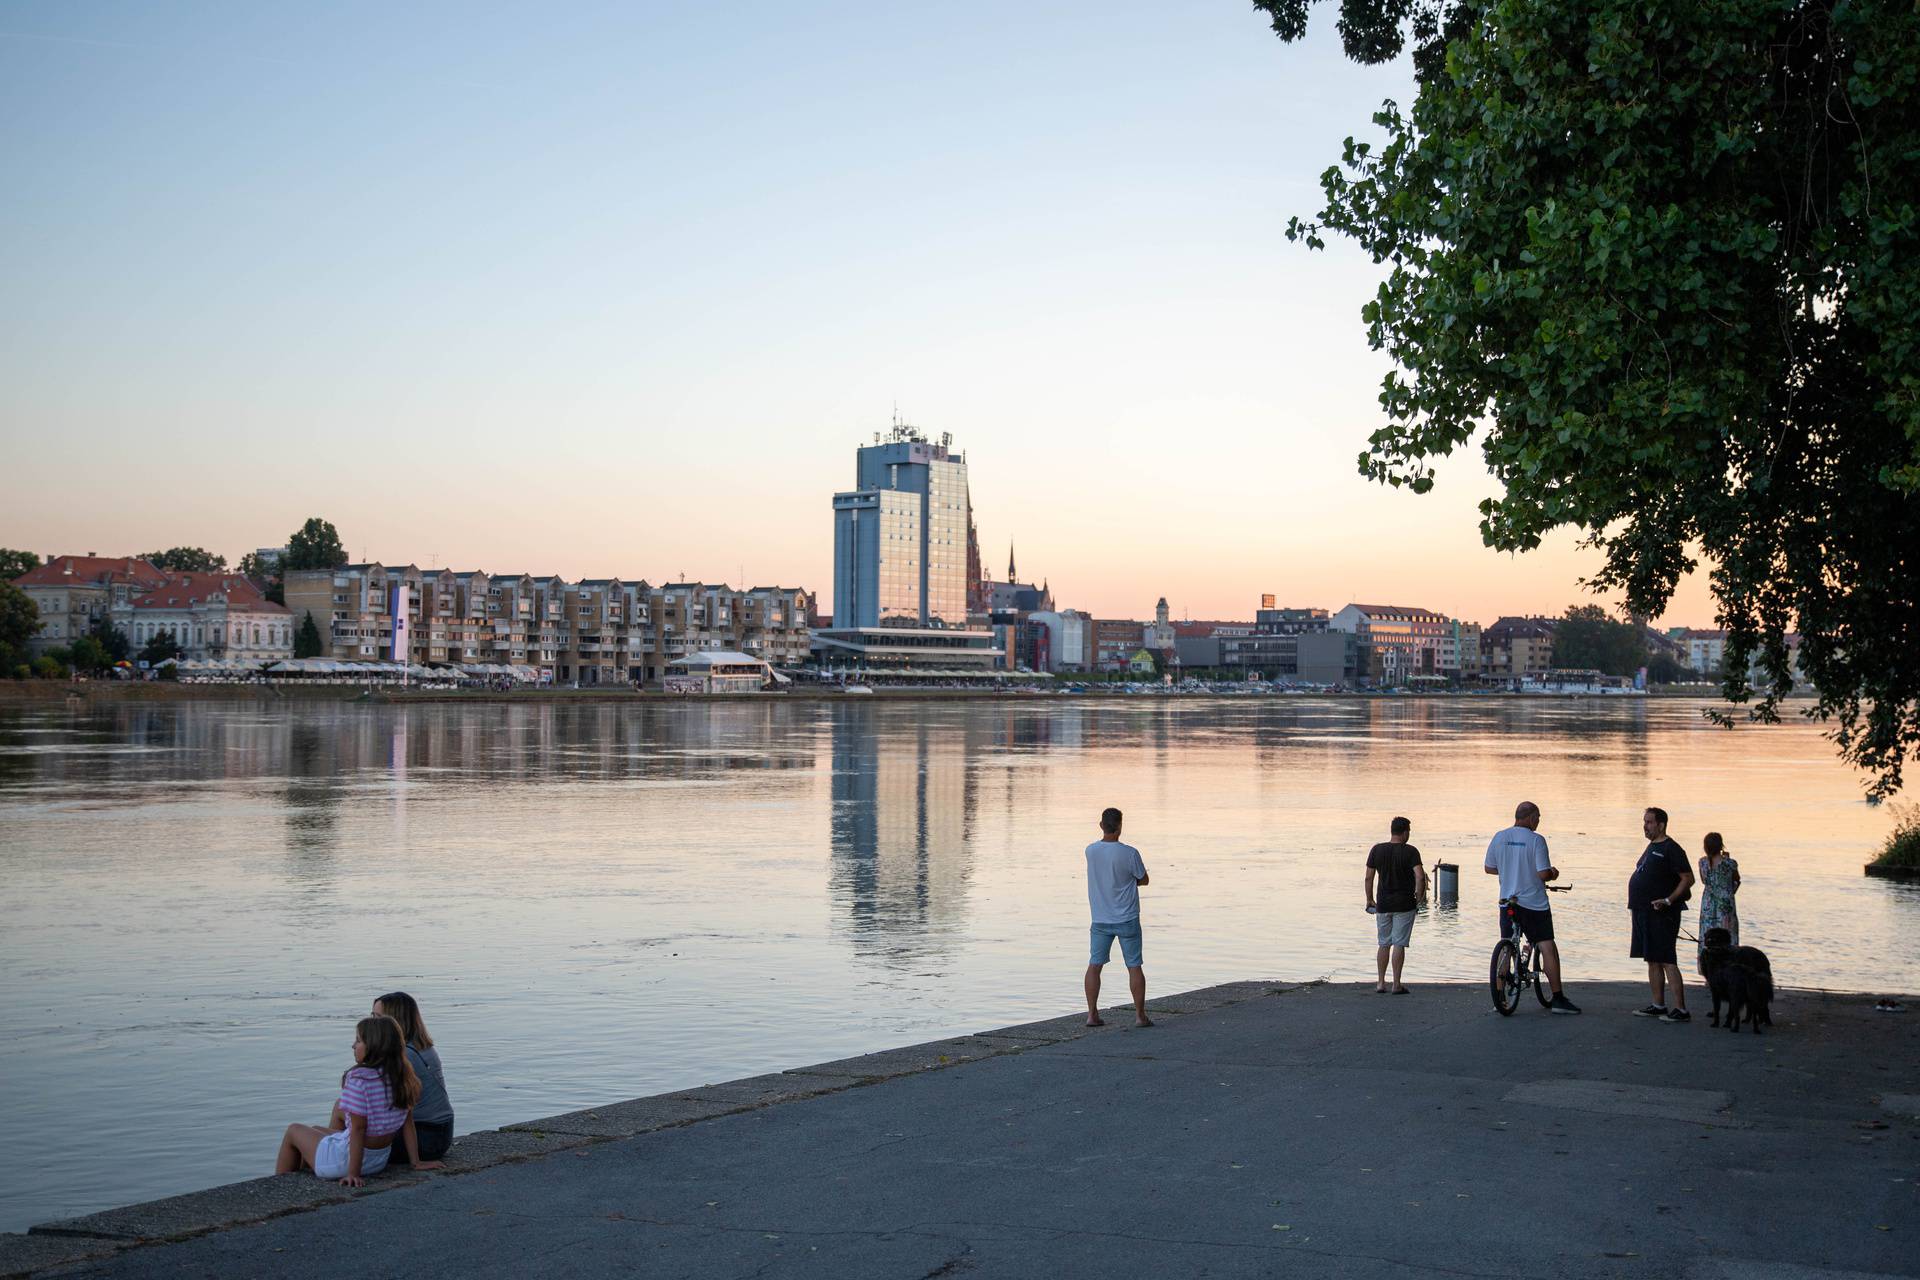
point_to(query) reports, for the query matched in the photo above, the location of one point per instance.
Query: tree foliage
(113, 641)
(187, 560)
(1662, 669)
(19, 623)
(14, 563)
(1587, 639)
(315, 545)
(265, 574)
(88, 654)
(306, 641)
(160, 648)
(1663, 261)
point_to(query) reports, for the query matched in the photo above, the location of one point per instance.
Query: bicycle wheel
(1541, 990)
(1503, 976)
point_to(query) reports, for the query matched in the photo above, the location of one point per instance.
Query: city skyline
(619, 294)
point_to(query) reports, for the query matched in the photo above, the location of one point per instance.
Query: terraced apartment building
(591, 631)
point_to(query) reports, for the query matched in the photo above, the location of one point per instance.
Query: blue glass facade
(900, 537)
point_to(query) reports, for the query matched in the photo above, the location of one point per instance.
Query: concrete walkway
(1258, 1130)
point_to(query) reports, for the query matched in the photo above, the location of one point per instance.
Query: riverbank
(1319, 1129)
(60, 692)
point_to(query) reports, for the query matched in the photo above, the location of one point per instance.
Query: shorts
(331, 1156)
(1101, 936)
(434, 1140)
(1655, 935)
(1394, 928)
(1537, 925)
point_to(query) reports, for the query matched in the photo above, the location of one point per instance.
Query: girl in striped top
(377, 1095)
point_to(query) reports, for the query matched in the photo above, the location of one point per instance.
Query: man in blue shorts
(1518, 856)
(1114, 876)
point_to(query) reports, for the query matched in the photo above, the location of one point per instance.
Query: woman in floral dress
(1719, 881)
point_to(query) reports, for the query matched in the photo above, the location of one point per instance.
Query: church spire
(1011, 575)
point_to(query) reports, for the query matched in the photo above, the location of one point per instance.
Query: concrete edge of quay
(174, 1218)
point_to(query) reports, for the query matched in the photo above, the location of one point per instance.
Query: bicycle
(1516, 964)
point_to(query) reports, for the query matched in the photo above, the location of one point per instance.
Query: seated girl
(433, 1113)
(377, 1095)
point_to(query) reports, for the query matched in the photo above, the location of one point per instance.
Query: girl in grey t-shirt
(433, 1114)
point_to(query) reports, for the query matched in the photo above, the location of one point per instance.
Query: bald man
(1518, 856)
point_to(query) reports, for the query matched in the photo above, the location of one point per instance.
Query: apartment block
(1114, 641)
(1514, 648)
(1273, 646)
(593, 631)
(1407, 641)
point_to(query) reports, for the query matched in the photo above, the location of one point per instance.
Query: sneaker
(1676, 1015)
(1560, 1004)
(1651, 1011)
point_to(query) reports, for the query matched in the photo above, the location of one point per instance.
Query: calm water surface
(595, 902)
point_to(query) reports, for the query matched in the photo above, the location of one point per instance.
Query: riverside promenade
(1259, 1129)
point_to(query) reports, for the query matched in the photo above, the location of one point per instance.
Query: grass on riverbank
(1903, 842)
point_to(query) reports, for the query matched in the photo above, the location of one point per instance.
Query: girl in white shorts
(377, 1095)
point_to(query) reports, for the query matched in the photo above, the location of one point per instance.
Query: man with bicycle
(1518, 856)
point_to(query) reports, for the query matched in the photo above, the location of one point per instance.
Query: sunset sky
(617, 289)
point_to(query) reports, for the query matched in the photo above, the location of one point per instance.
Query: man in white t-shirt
(1114, 876)
(1518, 856)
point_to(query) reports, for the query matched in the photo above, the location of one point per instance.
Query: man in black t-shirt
(1403, 883)
(1656, 895)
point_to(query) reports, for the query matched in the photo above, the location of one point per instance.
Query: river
(597, 901)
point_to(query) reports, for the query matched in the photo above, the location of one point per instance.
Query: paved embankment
(1259, 1129)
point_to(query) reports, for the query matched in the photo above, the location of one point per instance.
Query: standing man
(1403, 884)
(1114, 876)
(1518, 856)
(1656, 895)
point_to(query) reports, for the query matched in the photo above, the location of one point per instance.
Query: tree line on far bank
(314, 545)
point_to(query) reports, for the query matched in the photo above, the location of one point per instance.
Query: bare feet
(1142, 1020)
(1379, 988)
(1402, 991)
(1095, 1020)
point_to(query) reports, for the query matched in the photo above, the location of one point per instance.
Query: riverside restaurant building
(719, 671)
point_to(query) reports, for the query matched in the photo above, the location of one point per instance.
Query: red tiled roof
(62, 571)
(185, 590)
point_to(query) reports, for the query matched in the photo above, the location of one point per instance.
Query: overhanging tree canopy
(1664, 260)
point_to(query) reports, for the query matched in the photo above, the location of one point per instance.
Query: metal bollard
(1446, 883)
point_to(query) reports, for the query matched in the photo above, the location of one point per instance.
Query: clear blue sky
(616, 288)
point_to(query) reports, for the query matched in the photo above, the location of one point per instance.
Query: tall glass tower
(900, 536)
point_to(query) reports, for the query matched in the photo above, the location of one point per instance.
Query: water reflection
(904, 803)
(96, 753)
(673, 890)
(311, 799)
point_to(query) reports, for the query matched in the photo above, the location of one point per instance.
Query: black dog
(1741, 977)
